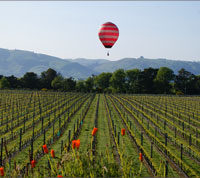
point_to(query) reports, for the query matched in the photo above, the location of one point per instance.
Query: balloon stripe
(115, 28)
(108, 39)
(108, 36)
(108, 31)
(109, 28)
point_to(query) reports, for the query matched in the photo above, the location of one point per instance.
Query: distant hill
(91, 63)
(142, 63)
(18, 62)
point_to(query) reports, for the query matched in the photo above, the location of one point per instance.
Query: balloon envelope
(108, 34)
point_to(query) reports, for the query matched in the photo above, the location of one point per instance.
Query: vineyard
(58, 134)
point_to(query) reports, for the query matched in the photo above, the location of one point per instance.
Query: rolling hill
(142, 63)
(18, 62)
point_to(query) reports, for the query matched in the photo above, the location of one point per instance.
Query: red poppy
(2, 171)
(140, 157)
(33, 162)
(52, 153)
(45, 149)
(94, 131)
(76, 144)
(59, 176)
(73, 144)
(123, 132)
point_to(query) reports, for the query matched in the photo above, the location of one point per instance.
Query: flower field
(57, 134)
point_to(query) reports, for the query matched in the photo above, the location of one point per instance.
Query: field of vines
(58, 134)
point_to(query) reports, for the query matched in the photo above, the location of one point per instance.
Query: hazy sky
(70, 29)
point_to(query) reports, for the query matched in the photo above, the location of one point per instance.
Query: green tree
(69, 84)
(133, 81)
(89, 84)
(4, 83)
(147, 78)
(14, 82)
(197, 85)
(103, 81)
(57, 82)
(30, 80)
(162, 80)
(185, 82)
(47, 77)
(117, 81)
(80, 86)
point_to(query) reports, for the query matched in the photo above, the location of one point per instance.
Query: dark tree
(69, 84)
(57, 83)
(14, 82)
(102, 81)
(30, 80)
(89, 84)
(47, 77)
(147, 80)
(117, 81)
(185, 82)
(4, 83)
(197, 85)
(162, 81)
(80, 86)
(133, 78)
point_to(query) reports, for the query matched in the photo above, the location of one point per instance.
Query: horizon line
(141, 57)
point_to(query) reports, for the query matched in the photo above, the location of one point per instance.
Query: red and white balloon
(108, 34)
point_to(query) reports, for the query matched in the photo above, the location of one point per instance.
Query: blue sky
(70, 29)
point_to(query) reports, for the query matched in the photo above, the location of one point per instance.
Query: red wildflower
(76, 144)
(123, 132)
(140, 157)
(33, 162)
(52, 153)
(1, 171)
(45, 149)
(73, 144)
(94, 131)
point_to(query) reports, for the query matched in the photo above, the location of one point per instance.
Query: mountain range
(18, 62)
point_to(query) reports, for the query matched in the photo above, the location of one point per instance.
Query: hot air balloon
(108, 34)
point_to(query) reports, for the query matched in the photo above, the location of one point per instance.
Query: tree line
(147, 81)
